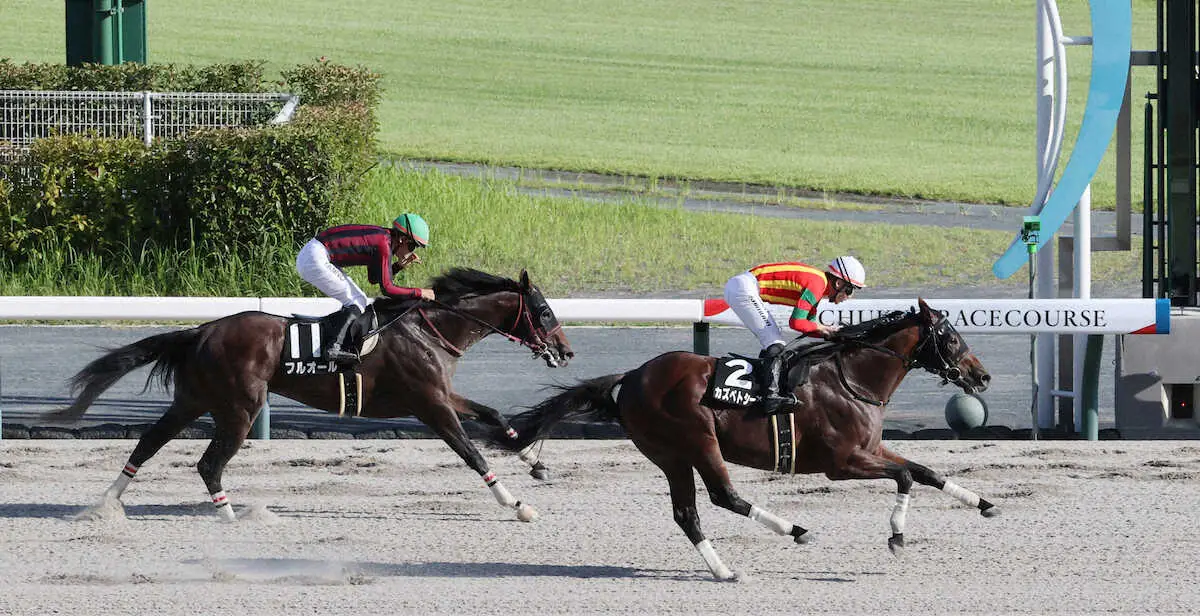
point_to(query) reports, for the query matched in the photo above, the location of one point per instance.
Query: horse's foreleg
(866, 465)
(683, 507)
(926, 476)
(722, 494)
(447, 426)
(490, 416)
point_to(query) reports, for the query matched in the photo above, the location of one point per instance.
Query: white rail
(993, 316)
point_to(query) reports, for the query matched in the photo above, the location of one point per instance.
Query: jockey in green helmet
(321, 260)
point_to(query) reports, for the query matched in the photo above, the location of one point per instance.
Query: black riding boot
(334, 352)
(770, 376)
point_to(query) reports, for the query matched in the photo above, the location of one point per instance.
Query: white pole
(1044, 358)
(1083, 290)
(148, 119)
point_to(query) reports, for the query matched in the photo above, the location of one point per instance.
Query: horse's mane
(457, 284)
(879, 327)
(463, 282)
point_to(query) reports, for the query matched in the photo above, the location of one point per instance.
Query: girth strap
(349, 392)
(783, 442)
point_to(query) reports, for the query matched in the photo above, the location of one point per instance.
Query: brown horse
(226, 367)
(836, 426)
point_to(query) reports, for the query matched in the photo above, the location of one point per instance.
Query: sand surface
(403, 527)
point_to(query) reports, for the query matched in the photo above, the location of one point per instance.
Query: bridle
(539, 334)
(946, 368)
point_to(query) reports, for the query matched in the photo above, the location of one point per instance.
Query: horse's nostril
(986, 378)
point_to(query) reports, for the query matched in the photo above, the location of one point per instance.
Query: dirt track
(402, 527)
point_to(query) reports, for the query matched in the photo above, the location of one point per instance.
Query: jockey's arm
(800, 321)
(383, 250)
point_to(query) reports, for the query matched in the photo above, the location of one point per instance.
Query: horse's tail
(169, 350)
(589, 398)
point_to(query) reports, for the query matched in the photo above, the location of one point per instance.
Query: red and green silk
(793, 284)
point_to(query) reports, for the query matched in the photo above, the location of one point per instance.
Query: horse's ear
(525, 280)
(927, 314)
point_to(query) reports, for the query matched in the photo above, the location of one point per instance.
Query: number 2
(735, 378)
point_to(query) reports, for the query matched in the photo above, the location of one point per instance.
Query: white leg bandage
(770, 520)
(899, 513)
(966, 496)
(118, 487)
(718, 568)
(529, 455)
(224, 509)
(499, 491)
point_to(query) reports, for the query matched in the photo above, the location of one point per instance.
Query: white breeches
(313, 266)
(741, 293)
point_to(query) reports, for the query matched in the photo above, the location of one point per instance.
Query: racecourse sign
(1057, 316)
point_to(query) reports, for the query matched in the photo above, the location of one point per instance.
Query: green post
(105, 31)
(700, 338)
(261, 429)
(118, 29)
(1089, 408)
(102, 29)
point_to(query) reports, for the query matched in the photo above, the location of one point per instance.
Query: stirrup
(774, 403)
(342, 357)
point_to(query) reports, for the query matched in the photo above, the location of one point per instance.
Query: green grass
(905, 97)
(570, 247)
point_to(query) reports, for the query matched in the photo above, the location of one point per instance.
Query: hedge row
(226, 189)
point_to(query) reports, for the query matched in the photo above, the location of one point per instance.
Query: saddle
(735, 382)
(304, 343)
(307, 337)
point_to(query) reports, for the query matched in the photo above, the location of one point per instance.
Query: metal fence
(28, 115)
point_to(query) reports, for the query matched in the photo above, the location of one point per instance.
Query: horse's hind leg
(720, 491)
(446, 425)
(683, 507)
(490, 416)
(231, 430)
(925, 476)
(175, 419)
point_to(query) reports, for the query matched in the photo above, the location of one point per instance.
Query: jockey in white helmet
(795, 284)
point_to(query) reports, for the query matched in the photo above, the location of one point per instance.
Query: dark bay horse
(837, 430)
(226, 367)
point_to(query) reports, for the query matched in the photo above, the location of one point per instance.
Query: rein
(455, 351)
(837, 360)
(458, 352)
(948, 372)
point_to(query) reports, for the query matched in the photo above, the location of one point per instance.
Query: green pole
(119, 30)
(1089, 408)
(104, 31)
(700, 338)
(261, 429)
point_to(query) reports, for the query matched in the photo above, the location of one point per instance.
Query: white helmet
(850, 270)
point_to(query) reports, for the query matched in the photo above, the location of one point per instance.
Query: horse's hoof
(526, 513)
(990, 512)
(225, 513)
(539, 472)
(803, 537)
(727, 576)
(896, 544)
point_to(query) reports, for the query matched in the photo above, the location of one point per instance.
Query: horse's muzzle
(554, 356)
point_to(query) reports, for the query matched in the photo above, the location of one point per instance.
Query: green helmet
(413, 226)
